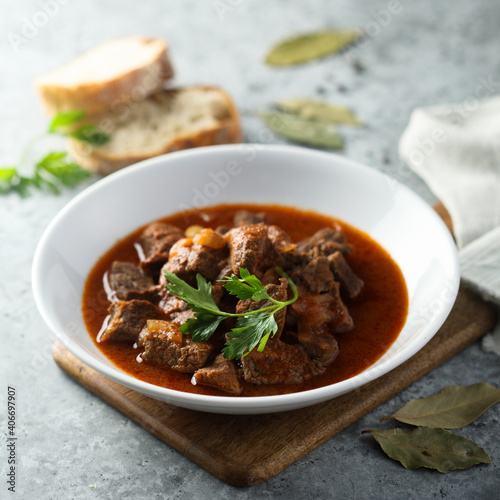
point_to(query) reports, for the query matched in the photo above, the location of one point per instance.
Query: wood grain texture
(246, 450)
(445, 215)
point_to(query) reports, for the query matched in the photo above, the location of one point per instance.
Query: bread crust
(99, 161)
(94, 98)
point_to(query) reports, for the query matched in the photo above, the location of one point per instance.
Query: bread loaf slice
(167, 121)
(109, 75)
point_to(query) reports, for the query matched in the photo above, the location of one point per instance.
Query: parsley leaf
(51, 172)
(199, 300)
(64, 124)
(202, 326)
(253, 327)
(249, 331)
(65, 119)
(6, 176)
(91, 134)
(55, 169)
(58, 165)
(246, 287)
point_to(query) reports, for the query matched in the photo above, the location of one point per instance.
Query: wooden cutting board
(246, 450)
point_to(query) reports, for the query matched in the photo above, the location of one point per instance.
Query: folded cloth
(456, 150)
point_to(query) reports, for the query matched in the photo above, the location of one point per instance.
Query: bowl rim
(273, 402)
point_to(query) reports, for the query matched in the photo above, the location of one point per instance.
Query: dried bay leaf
(320, 111)
(451, 408)
(310, 46)
(319, 134)
(431, 448)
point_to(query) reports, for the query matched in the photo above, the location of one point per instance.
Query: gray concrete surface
(73, 446)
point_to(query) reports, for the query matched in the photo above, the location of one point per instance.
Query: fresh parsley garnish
(55, 169)
(51, 172)
(253, 328)
(65, 124)
(65, 119)
(250, 331)
(246, 287)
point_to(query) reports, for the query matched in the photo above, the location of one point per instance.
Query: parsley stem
(277, 307)
(292, 286)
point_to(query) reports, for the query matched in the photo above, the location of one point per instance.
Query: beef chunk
(279, 363)
(277, 292)
(270, 276)
(245, 218)
(324, 347)
(279, 239)
(217, 293)
(247, 246)
(175, 308)
(280, 250)
(187, 258)
(315, 275)
(322, 313)
(156, 241)
(350, 284)
(129, 282)
(165, 345)
(180, 317)
(257, 247)
(127, 319)
(225, 271)
(221, 374)
(170, 303)
(323, 243)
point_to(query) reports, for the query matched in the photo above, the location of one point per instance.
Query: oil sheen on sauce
(379, 313)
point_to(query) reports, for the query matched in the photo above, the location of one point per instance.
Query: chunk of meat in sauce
(177, 310)
(279, 363)
(323, 347)
(127, 319)
(130, 282)
(257, 247)
(221, 374)
(247, 245)
(170, 303)
(350, 284)
(323, 243)
(315, 275)
(277, 292)
(245, 218)
(322, 313)
(206, 253)
(281, 251)
(165, 345)
(156, 241)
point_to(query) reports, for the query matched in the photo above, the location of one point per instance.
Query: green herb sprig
(252, 327)
(52, 171)
(55, 169)
(65, 124)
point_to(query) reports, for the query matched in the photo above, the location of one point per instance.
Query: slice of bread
(109, 75)
(167, 121)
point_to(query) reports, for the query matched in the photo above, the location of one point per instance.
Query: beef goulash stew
(245, 300)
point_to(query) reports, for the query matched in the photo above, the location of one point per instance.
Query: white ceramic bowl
(115, 206)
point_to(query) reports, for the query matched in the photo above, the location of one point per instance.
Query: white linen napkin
(456, 150)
